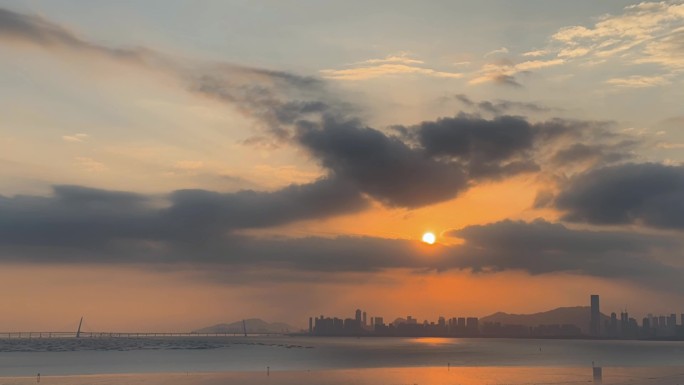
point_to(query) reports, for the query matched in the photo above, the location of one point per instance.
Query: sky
(168, 165)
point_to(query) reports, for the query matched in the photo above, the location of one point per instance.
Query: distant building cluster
(600, 326)
(626, 327)
(410, 327)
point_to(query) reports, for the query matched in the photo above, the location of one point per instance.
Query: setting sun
(429, 238)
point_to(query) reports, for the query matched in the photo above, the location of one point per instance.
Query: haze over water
(23, 357)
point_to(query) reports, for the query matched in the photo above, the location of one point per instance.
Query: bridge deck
(13, 335)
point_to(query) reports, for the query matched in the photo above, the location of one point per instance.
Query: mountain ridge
(253, 326)
(579, 316)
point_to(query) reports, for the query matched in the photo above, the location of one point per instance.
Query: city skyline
(594, 325)
(166, 164)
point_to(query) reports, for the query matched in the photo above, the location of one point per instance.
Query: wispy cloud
(501, 106)
(504, 72)
(392, 65)
(400, 58)
(648, 32)
(644, 33)
(535, 53)
(637, 81)
(90, 164)
(537, 64)
(76, 138)
(670, 146)
(502, 50)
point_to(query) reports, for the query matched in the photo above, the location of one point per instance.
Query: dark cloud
(498, 147)
(201, 211)
(594, 153)
(83, 225)
(650, 194)
(541, 247)
(275, 98)
(36, 30)
(476, 139)
(95, 226)
(72, 216)
(76, 216)
(501, 106)
(382, 166)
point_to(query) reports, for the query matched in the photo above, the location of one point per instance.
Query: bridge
(82, 334)
(79, 333)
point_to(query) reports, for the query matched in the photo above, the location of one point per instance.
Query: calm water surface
(24, 357)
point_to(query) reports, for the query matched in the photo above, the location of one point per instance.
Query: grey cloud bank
(79, 225)
(650, 194)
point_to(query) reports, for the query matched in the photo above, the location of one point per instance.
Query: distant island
(250, 326)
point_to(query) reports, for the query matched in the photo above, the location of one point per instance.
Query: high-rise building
(472, 325)
(646, 324)
(461, 323)
(358, 316)
(624, 323)
(662, 322)
(364, 319)
(595, 322)
(310, 324)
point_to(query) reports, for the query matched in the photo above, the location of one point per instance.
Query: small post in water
(597, 372)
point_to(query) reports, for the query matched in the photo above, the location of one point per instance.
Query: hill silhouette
(578, 315)
(253, 325)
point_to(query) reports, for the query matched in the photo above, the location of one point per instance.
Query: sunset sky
(168, 165)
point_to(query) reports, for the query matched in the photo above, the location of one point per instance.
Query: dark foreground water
(52, 357)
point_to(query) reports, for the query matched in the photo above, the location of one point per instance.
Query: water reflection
(434, 341)
(384, 376)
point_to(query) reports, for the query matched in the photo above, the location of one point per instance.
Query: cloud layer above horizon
(605, 206)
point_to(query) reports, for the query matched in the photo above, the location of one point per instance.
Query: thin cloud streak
(392, 65)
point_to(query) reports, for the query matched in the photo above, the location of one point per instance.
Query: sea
(365, 360)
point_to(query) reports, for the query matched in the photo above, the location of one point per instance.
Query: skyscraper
(595, 323)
